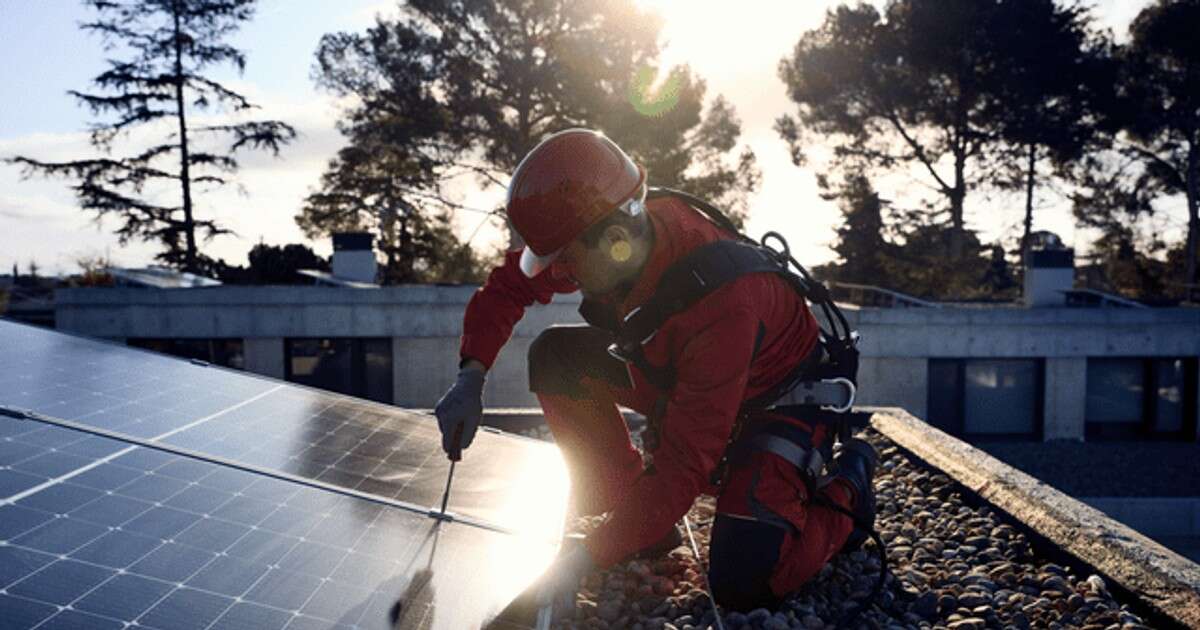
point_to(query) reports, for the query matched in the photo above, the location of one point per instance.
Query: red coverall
(734, 344)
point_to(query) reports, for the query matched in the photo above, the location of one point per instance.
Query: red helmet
(566, 184)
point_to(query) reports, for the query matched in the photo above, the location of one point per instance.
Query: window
(986, 398)
(1140, 398)
(353, 366)
(223, 352)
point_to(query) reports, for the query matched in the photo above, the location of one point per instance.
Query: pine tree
(1161, 85)
(861, 247)
(159, 85)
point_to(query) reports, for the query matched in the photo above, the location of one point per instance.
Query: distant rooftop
(159, 278)
(328, 279)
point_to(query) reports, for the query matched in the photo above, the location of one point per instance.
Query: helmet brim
(533, 265)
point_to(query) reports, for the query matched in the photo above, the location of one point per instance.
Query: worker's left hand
(559, 585)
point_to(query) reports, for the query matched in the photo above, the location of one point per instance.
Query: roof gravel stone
(952, 566)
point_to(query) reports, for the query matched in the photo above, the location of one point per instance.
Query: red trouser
(768, 538)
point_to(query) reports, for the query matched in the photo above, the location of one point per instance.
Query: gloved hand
(559, 585)
(461, 409)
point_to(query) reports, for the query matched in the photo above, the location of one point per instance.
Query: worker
(579, 203)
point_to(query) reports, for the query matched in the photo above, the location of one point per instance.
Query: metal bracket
(17, 414)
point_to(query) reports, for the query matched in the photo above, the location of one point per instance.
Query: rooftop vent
(1049, 270)
(354, 257)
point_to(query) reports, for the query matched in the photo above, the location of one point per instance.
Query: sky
(735, 47)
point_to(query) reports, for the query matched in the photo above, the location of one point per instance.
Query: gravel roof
(952, 566)
(1106, 469)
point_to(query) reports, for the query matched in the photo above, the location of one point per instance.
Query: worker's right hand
(461, 409)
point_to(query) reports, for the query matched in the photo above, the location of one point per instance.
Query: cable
(707, 587)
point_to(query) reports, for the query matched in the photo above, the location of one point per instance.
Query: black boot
(855, 462)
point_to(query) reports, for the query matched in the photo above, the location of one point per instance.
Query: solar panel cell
(106, 477)
(248, 616)
(153, 488)
(75, 620)
(212, 534)
(17, 563)
(261, 546)
(173, 562)
(125, 596)
(160, 522)
(117, 549)
(111, 510)
(51, 464)
(60, 498)
(186, 609)
(228, 575)
(61, 582)
(16, 520)
(284, 589)
(61, 535)
(21, 613)
(12, 482)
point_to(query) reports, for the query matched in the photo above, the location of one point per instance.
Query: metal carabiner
(849, 400)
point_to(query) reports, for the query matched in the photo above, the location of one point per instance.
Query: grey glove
(460, 411)
(558, 586)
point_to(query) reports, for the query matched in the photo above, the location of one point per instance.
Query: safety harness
(822, 386)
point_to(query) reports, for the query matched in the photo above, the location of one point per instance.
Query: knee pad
(562, 356)
(742, 557)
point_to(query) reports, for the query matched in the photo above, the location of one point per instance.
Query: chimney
(354, 257)
(1049, 270)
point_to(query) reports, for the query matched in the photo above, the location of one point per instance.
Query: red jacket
(710, 345)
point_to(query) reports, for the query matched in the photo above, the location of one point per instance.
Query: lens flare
(653, 98)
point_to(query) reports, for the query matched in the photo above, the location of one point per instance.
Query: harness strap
(690, 279)
(807, 459)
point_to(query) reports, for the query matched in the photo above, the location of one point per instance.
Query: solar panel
(246, 503)
(505, 481)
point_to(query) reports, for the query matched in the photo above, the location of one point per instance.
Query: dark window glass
(945, 395)
(323, 363)
(1129, 399)
(1170, 387)
(1000, 397)
(1115, 391)
(377, 369)
(986, 398)
(223, 352)
(357, 367)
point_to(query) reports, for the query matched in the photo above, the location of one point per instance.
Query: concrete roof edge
(1161, 579)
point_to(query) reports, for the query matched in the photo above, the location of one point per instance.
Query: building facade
(995, 372)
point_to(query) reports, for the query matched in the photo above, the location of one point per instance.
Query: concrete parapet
(1164, 582)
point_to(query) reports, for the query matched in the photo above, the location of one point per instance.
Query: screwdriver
(455, 455)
